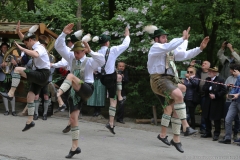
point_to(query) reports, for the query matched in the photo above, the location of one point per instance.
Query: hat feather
(150, 29)
(33, 29)
(86, 38)
(78, 34)
(95, 39)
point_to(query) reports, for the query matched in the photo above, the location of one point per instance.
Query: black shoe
(97, 114)
(35, 117)
(189, 131)
(72, 153)
(6, 96)
(94, 114)
(206, 135)
(44, 117)
(62, 108)
(67, 129)
(6, 113)
(110, 128)
(215, 138)
(202, 131)
(120, 121)
(178, 146)
(225, 141)
(14, 113)
(28, 126)
(164, 140)
(123, 100)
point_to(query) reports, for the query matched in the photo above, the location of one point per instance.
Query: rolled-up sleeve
(117, 50)
(221, 56)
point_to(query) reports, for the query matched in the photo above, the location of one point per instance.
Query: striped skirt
(99, 95)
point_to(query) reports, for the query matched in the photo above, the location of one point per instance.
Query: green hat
(78, 46)
(103, 38)
(158, 33)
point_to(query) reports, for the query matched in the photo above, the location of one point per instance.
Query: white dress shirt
(157, 55)
(97, 60)
(42, 61)
(115, 51)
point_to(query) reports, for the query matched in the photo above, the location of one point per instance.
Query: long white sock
(13, 104)
(5, 102)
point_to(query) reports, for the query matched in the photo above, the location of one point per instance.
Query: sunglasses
(190, 72)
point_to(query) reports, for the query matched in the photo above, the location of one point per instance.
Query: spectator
(231, 80)
(234, 107)
(226, 61)
(214, 103)
(97, 100)
(5, 79)
(121, 104)
(191, 85)
(202, 73)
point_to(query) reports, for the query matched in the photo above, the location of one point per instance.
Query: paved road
(46, 142)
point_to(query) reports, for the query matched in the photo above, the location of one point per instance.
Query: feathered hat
(30, 32)
(76, 36)
(79, 45)
(103, 38)
(153, 31)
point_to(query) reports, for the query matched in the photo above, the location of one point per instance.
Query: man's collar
(35, 44)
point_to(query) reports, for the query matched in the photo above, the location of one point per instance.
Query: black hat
(76, 36)
(4, 43)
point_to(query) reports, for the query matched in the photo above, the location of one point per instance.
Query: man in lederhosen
(109, 77)
(164, 81)
(80, 79)
(38, 77)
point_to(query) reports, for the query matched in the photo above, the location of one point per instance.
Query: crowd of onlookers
(216, 92)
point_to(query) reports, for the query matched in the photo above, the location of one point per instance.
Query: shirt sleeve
(221, 56)
(181, 55)
(97, 60)
(62, 48)
(117, 50)
(159, 48)
(234, 89)
(59, 64)
(236, 57)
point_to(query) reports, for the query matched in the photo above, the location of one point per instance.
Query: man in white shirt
(80, 79)
(163, 80)
(109, 79)
(37, 77)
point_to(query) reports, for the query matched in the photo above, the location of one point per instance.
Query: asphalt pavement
(132, 141)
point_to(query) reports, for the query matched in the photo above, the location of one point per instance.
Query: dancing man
(109, 79)
(80, 79)
(164, 81)
(37, 77)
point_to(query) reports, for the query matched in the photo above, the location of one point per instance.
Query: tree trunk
(31, 5)
(112, 8)
(79, 13)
